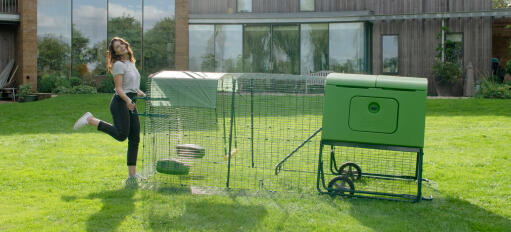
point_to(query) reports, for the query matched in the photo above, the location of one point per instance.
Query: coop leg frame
(323, 189)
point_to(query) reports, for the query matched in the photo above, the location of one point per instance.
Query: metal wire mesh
(257, 122)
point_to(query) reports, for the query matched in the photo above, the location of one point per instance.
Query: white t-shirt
(131, 76)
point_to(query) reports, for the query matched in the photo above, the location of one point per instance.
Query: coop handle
(278, 167)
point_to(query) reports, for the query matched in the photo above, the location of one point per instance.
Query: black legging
(126, 125)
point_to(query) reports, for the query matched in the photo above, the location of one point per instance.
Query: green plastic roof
(377, 81)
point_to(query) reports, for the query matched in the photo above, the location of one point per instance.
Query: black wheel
(351, 170)
(341, 185)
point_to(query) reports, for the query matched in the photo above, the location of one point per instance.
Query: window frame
(382, 53)
(313, 3)
(238, 8)
(462, 46)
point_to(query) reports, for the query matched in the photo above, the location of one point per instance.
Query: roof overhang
(341, 16)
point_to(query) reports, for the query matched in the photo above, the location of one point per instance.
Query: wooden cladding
(379, 7)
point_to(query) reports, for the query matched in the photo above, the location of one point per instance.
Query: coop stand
(351, 191)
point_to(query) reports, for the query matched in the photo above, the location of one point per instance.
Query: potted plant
(447, 76)
(25, 93)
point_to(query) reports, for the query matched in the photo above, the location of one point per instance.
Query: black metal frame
(322, 187)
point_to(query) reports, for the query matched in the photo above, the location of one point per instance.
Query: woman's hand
(140, 93)
(131, 106)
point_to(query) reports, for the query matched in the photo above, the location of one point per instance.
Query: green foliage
(25, 90)
(493, 89)
(62, 82)
(128, 28)
(46, 83)
(500, 3)
(159, 46)
(508, 67)
(75, 81)
(446, 72)
(107, 85)
(63, 90)
(84, 89)
(53, 55)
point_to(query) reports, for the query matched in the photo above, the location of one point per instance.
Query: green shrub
(63, 90)
(25, 90)
(75, 81)
(508, 67)
(62, 82)
(446, 72)
(492, 89)
(84, 89)
(107, 85)
(46, 83)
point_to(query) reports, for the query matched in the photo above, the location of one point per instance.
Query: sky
(90, 16)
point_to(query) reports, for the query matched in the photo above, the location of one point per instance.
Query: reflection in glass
(124, 20)
(89, 38)
(346, 41)
(307, 5)
(390, 46)
(201, 48)
(228, 48)
(454, 48)
(286, 49)
(159, 35)
(54, 36)
(256, 49)
(244, 5)
(314, 48)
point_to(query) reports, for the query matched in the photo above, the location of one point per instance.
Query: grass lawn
(55, 179)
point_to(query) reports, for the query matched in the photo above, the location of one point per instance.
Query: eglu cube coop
(262, 132)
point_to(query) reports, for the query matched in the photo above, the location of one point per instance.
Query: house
(394, 37)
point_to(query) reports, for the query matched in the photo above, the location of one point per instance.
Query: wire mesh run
(255, 121)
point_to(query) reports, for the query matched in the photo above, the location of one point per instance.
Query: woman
(121, 63)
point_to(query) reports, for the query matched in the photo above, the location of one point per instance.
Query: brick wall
(181, 34)
(26, 44)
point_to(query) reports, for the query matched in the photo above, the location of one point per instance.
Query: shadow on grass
(441, 214)
(468, 107)
(202, 214)
(117, 204)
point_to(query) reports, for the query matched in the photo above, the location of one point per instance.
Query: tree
(159, 43)
(500, 3)
(130, 29)
(79, 57)
(53, 55)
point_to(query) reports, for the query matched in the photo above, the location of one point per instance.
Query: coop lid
(190, 89)
(377, 81)
(408, 83)
(351, 80)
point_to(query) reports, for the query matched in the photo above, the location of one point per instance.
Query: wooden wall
(7, 43)
(378, 6)
(417, 38)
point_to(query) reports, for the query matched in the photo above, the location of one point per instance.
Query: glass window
(390, 54)
(54, 37)
(286, 49)
(256, 49)
(244, 5)
(201, 48)
(314, 48)
(228, 48)
(307, 5)
(159, 35)
(454, 48)
(125, 21)
(89, 39)
(347, 51)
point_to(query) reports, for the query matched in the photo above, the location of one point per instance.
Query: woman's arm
(120, 91)
(140, 93)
